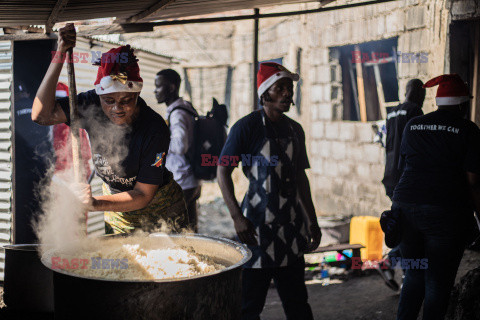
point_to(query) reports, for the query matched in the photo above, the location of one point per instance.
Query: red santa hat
(62, 90)
(271, 72)
(118, 71)
(451, 89)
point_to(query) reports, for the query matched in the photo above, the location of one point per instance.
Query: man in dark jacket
(397, 119)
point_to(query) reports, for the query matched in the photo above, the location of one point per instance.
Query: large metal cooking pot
(28, 285)
(213, 296)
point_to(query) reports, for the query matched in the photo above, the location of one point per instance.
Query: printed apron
(166, 212)
(278, 220)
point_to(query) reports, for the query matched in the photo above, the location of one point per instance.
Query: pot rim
(242, 248)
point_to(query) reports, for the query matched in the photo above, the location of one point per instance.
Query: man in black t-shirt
(440, 158)
(277, 218)
(129, 142)
(397, 118)
(123, 155)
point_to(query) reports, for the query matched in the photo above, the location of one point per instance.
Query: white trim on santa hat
(451, 101)
(274, 78)
(61, 94)
(108, 85)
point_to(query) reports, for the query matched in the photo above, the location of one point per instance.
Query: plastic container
(366, 230)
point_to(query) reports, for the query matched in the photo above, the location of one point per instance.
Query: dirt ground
(359, 298)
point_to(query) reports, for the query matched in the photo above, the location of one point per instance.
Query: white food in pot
(133, 259)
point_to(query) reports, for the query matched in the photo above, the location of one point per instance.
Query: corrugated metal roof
(21, 12)
(186, 8)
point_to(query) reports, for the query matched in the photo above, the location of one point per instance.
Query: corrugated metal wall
(85, 75)
(5, 148)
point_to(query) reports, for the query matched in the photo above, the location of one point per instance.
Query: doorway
(465, 59)
(31, 143)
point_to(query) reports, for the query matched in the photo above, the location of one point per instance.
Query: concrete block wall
(346, 169)
(200, 44)
(193, 46)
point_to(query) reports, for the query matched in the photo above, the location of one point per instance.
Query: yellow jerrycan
(366, 230)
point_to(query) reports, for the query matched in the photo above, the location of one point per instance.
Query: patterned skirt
(166, 212)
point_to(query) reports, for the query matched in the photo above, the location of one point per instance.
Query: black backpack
(209, 136)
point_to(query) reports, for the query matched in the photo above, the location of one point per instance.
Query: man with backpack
(181, 121)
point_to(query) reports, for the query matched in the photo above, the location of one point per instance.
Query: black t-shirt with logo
(436, 152)
(124, 155)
